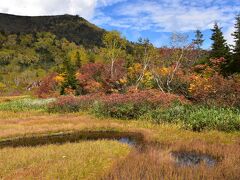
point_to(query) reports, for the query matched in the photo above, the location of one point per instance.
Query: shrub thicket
(124, 106)
(154, 106)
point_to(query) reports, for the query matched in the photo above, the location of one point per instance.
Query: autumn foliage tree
(114, 48)
(166, 67)
(145, 54)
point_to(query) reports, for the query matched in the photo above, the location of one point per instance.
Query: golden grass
(85, 160)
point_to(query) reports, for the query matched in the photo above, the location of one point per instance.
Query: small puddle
(193, 159)
(129, 138)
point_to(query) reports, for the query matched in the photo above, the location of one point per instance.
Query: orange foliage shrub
(210, 87)
(216, 90)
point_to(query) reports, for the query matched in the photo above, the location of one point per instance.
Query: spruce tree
(219, 46)
(78, 60)
(91, 57)
(235, 66)
(70, 78)
(198, 41)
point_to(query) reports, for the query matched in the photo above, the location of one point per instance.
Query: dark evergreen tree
(91, 57)
(70, 78)
(235, 65)
(219, 46)
(78, 60)
(198, 41)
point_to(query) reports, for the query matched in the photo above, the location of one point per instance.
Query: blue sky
(157, 19)
(153, 19)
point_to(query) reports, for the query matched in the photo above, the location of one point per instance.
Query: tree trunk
(112, 69)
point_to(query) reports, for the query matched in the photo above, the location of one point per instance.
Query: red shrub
(95, 77)
(153, 98)
(90, 76)
(47, 87)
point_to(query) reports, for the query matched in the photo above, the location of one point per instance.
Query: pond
(130, 138)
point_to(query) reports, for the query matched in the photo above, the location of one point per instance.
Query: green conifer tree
(78, 60)
(235, 65)
(70, 78)
(219, 46)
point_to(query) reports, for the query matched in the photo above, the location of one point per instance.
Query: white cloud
(102, 3)
(228, 35)
(83, 8)
(169, 15)
(175, 15)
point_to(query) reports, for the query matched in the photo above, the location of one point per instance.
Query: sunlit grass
(25, 104)
(84, 160)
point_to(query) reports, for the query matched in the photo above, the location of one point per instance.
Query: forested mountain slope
(73, 28)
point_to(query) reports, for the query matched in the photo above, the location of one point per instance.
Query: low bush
(72, 103)
(48, 87)
(216, 90)
(134, 105)
(124, 106)
(121, 111)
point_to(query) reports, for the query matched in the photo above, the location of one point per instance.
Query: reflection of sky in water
(128, 141)
(193, 159)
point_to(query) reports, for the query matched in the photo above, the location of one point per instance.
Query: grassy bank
(85, 160)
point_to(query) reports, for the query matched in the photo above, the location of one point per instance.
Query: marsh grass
(84, 160)
(157, 163)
